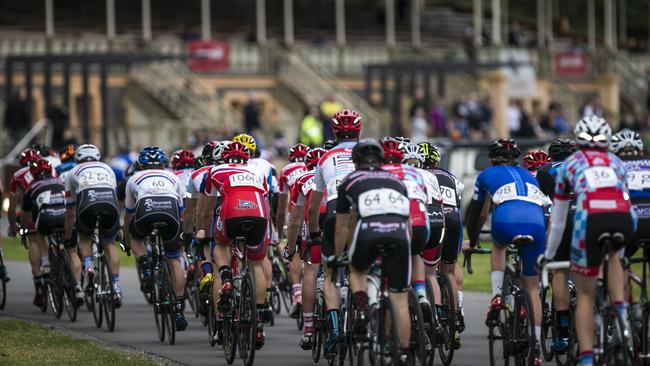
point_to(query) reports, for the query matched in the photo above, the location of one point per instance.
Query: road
(135, 327)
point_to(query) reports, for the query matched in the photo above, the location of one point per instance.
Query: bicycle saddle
(246, 226)
(159, 225)
(522, 239)
(611, 238)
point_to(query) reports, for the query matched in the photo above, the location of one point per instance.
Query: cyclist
(518, 212)
(48, 154)
(66, 155)
(243, 192)
(296, 232)
(91, 197)
(266, 170)
(183, 163)
(288, 175)
(558, 151)
(330, 171)
(37, 250)
(534, 160)
(375, 203)
(155, 195)
(45, 200)
(597, 178)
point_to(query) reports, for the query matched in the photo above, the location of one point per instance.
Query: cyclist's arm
(281, 214)
(475, 211)
(205, 215)
(11, 213)
(295, 221)
(314, 210)
(561, 205)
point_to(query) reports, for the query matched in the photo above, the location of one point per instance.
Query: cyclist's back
(45, 199)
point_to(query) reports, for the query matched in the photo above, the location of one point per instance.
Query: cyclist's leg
(332, 293)
(41, 244)
(430, 259)
(450, 249)
(309, 288)
(395, 268)
(529, 253)
(584, 315)
(560, 285)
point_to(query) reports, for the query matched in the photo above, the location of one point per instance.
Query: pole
(103, 74)
(340, 22)
(614, 28)
(608, 23)
(416, 38)
(549, 22)
(478, 22)
(505, 21)
(260, 10)
(146, 20)
(288, 22)
(110, 19)
(49, 18)
(496, 22)
(622, 20)
(390, 23)
(591, 24)
(206, 27)
(29, 89)
(85, 101)
(541, 24)
(47, 85)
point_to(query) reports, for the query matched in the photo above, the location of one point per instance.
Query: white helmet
(218, 150)
(412, 151)
(87, 152)
(593, 131)
(624, 139)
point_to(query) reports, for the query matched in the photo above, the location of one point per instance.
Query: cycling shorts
(50, 219)
(431, 256)
(452, 240)
(420, 239)
(586, 253)
(98, 202)
(390, 234)
(256, 238)
(314, 249)
(329, 227)
(152, 210)
(642, 209)
(514, 218)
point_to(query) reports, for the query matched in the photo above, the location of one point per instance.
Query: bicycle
(3, 282)
(239, 320)
(101, 292)
(446, 320)
(41, 287)
(642, 331)
(60, 283)
(512, 334)
(281, 280)
(611, 345)
(549, 331)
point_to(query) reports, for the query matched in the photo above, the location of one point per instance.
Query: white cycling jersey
(185, 176)
(153, 183)
(433, 188)
(92, 174)
(265, 169)
(332, 168)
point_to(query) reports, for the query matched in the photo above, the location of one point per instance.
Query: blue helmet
(152, 156)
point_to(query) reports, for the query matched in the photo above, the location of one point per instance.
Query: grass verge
(24, 343)
(479, 281)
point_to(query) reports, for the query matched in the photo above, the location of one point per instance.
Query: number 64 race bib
(383, 201)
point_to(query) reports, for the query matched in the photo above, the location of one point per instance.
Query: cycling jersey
(153, 183)
(244, 193)
(21, 180)
(197, 181)
(185, 176)
(300, 195)
(380, 199)
(266, 170)
(89, 175)
(64, 167)
(289, 174)
(452, 190)
(597, 179)
(46, 201)
(518, 211)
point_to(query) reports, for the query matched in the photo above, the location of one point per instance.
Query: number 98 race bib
(383, 201)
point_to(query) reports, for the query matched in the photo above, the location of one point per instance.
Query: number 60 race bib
(383, 201)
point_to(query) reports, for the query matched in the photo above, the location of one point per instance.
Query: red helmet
(298, 152)
(235, 150)
(29, 156)
(535, 159)
(313, 156)
(346, 124)
(392, 151)
(183, 159)
(40, 168)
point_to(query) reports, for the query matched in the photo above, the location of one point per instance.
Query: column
(110, 19)
(206, 26)
(549, 22)
(497, 88)
(505, 20)
(146, 20)
(541, 24)
(608, 26)
(622, 20)
(260, 11)
(478, 21)
(49, 18)
(390, 23)
(591, 25)
(496, 22)
(416, 38)
(288, 22)
(340, 22)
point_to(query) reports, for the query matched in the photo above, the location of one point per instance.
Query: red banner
(208, 55)
(570, 64)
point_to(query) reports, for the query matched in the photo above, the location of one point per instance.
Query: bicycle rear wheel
(431, 329)
(69, 299)
(230, 336)
(275, 300)
(388, 336)
(419, 339)
(158, 306)
(615, 349)
(446, 348)
(169, 303)
(54, 294)
(319, 324)
(645, 335)
(247, 320)
(107, 292)
(498, 340)
(3, 285)
(524, 330)
(549, 333)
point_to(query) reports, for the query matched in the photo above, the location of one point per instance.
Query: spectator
(513, 117)
(58, 116)
(515, 38)
(419, 126)
(328, 108)
(418, 102)
(251, 115)
(591, 107)
(438, 120)
(17, 116)
(311, 130)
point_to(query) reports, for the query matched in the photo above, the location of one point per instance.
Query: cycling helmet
(248, 141)
(235, 152)
(392, 152)
(43, 149)
(87, 152)
(412, 151)
(206, 153)
(561, 149)
(504, 149)
(298, 152)
(626, 142)
(67, 153)
(369, 153)
(40, 169)
(218, 151)
(329, 144)
(152, 156)
(593, 131)
(27, 156)
(402, 139)
(535, 159)
(313, 156)
(431, 154)
(183, 159)
(346, 124)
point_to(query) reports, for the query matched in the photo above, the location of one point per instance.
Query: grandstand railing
(43, 125)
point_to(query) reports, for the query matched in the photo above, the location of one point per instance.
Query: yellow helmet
(246, 140)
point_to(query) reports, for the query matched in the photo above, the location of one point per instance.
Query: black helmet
(505, 149)
(368, 151)
(561, 149)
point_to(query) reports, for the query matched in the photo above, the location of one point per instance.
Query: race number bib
(92, 177)
(307, 186)
(448, 196)
(44, 198)
(600, 177)
(415, 192)
(158, 186)
(536, 195)
(383, 201)
(638, 181)
(505, 193)
(246, 180)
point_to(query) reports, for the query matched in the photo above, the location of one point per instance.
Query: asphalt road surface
(135, 327)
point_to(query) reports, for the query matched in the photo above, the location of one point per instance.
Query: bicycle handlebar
(551, 266)
(467, 257)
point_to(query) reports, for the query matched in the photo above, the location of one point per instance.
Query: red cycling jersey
(242, 189)
(301, 195)
(289, 174)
